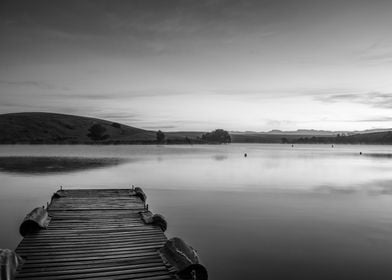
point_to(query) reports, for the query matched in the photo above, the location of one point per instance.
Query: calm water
(303, 212)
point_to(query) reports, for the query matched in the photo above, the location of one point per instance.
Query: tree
(116, 125)
(160, 137)
(217, 136)
(97, 132)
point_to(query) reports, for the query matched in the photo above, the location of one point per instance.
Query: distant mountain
(51, 128)
(312, 132)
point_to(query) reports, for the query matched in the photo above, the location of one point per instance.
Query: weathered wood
(94, 234)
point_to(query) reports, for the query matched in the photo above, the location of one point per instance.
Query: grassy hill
(50, 128)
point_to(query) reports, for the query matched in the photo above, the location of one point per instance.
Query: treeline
(366, 138)
(218, 136)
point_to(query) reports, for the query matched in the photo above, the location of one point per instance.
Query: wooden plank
(94, 234)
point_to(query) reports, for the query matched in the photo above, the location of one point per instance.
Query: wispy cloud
(36, 84)
(125, 94)
(159, 127)
(375, 99)
(376, 119)
(377, 53)
(119, 116)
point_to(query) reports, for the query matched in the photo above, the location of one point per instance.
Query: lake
(282, 212)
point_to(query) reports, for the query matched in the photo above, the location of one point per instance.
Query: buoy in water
(360, 153)
(245, 155)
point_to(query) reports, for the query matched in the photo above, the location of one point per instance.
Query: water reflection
(45, 165)
(370, 188)
(219, 157)
(285, 235)
(308, 212)
(325, 189)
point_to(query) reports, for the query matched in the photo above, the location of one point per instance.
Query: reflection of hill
(378, 155)
(44, 165)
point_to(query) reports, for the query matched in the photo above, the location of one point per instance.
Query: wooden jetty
(100, 234)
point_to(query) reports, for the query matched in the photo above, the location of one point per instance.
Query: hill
(51, 128)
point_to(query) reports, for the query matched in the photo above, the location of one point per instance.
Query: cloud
(326, 189)
(375, 99)
(119, 116)
(376, 119)
(36, 84)
(377, 53)
(126, 94)
(139, 20)
(159, 127)
(385, 57)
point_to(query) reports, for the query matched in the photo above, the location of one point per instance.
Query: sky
(240, 65)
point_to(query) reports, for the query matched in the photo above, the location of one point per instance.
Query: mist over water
(302, 212)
